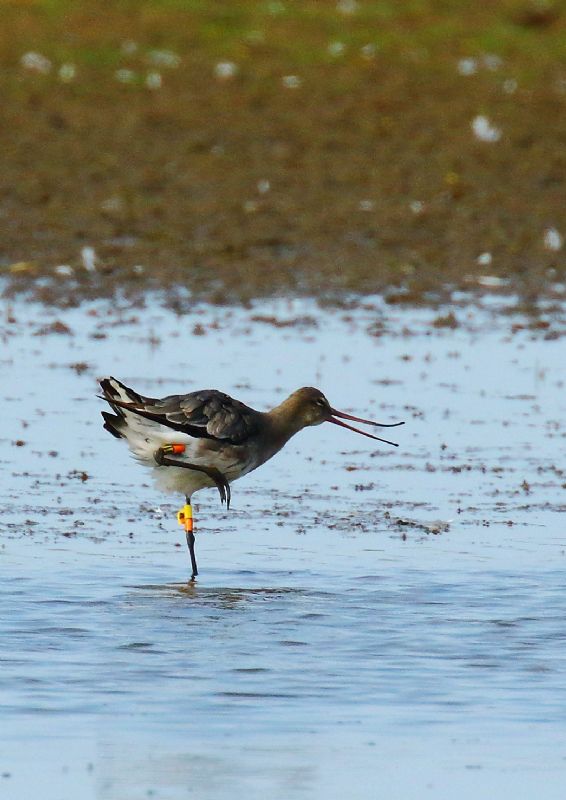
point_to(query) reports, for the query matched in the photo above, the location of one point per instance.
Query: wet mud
(260, 148)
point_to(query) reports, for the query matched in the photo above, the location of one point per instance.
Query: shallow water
(368, 622)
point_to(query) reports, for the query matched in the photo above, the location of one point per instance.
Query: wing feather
(207, 413)
(220, 415)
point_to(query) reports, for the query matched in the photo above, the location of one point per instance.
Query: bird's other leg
(214, 474)
(188, 525)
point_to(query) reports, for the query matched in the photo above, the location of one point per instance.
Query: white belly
(145, 437)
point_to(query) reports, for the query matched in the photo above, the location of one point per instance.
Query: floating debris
(263, 186)
(470, 66)
(347, 7)
(491, 61)
(435, 527)
(64, 269)
(467, 66)
(79, 474)
(88, 257)
(446, 321)
(484, 259)
(510, 86)
(225, 70)
(125, 75)
(490, 281)
(54, 327)
(67, 73)
(35, 62)
(366, 205)
(291, 81)
(416, 206)
(553, 239)
(368, 51)
(304, 321)
(336, 49)
(79, 367)
(153, 80)
(163, 58)
(484, 130)
(113, 205)
(129, 47)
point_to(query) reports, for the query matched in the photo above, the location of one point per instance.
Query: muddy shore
(313, 148)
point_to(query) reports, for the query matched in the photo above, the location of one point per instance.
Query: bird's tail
(113, 389)
(113, 424)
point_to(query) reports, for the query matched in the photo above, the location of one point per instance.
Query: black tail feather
(110, 392)
(197, 431)
(112, 424)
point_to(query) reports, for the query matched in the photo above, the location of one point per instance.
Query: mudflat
(248, 149)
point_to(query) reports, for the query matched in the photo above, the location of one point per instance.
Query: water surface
(368, 622)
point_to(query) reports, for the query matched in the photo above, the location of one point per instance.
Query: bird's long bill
(342, 415)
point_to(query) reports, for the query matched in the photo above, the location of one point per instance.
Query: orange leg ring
(176, 449)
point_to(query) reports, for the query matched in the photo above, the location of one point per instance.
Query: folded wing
(207, 413)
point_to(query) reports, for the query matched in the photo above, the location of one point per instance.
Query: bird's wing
(207, 413)
(212, 411)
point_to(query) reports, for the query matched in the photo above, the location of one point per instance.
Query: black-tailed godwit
(206, 438)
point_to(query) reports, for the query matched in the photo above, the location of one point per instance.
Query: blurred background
(243, 149)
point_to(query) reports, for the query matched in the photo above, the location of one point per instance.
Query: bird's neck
(283, 422)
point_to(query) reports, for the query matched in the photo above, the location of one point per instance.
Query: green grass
(303, 29)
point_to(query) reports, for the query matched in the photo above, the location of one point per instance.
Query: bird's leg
(214, 474)
(185, 518)
(221, 484)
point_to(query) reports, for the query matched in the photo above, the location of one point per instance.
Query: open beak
(342, 416)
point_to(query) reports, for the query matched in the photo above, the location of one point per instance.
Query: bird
(206, 439)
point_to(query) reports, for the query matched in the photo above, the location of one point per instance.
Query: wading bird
(205, 439)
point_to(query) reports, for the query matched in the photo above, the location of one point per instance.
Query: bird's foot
(221, 484)
(220, 481)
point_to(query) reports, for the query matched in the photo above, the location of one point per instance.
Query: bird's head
(310, 407)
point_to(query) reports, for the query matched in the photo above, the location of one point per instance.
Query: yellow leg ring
(185, 518)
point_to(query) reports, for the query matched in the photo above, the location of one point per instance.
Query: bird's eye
(320, 402)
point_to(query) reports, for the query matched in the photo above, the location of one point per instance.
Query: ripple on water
(331, 607)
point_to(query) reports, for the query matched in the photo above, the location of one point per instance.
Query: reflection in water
(223, 597)
(186, 771)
